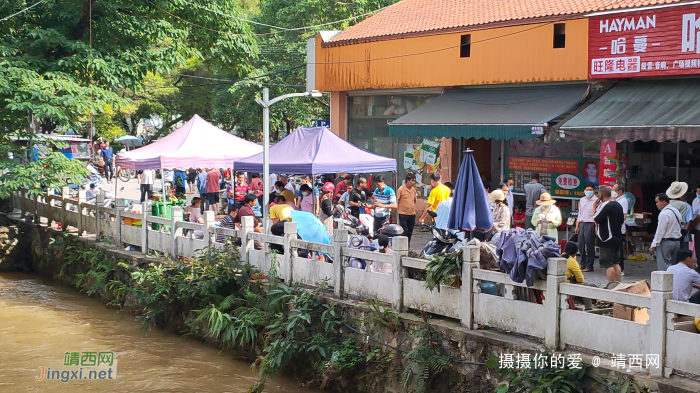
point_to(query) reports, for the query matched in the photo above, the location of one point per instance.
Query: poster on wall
(422, 159)
(564, 167)
(608, 163)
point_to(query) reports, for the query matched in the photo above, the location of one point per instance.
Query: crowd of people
(600, 222)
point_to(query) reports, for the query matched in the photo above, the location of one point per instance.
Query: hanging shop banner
(564, 167)
(608, 163)
(653, 42)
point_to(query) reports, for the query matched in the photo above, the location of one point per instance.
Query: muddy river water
(40, 322)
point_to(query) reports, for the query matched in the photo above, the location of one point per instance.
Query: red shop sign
(653, 42)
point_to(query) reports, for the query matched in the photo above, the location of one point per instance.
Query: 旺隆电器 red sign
(652, 42)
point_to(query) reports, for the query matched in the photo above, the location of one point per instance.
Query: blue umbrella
(470, 206)
(310, 228)
(129, 140)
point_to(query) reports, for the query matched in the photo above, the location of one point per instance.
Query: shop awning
(640, 110)
(497, 113)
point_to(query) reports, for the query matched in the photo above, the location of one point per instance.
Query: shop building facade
(510, 82)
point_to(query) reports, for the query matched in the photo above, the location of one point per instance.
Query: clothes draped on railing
(522, 254)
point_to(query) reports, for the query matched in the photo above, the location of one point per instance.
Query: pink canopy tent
(196, 144)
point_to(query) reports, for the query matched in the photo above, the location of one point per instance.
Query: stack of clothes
(524, 255)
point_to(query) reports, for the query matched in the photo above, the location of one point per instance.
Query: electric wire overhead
(286, 28)
(19, 12)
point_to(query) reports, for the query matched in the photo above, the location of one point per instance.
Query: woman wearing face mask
(585, 227)
(306, 202)
(547, 217)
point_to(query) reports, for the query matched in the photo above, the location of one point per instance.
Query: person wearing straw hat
(676, 193)
(501, 212)
(546, 218)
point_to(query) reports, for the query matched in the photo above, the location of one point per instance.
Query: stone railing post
(145, 212)
(175, 217)
(81, 216)
(470, 261)
(399, 244)
(37, 220)
(209, 222)
(290, 232)
(247, 226)
(340, 240)
(99, 201)
(65, 196)
(22, 202)
(661, 291)
(556, 274)
(119, 207)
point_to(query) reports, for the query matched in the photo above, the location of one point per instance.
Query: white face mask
(614, 194)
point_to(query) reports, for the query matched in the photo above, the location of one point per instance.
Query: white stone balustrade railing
(669, 332)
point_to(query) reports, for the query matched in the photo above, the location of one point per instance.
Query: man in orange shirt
(406, 197)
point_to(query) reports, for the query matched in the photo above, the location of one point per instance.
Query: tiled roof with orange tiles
(422, 16)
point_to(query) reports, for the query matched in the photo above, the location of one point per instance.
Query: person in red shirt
(256, 185)
(341, 188)
(240, 188)
(213, 189)
(519, 216)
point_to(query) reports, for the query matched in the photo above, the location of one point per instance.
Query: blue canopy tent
(470, 206)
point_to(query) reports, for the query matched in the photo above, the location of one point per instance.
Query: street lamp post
(266, 103)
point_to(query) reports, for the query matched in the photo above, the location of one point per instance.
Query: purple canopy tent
(316, 150)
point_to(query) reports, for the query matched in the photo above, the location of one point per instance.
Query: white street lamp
(266, 103)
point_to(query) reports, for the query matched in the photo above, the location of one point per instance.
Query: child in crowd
(519, 215)
(573, 270)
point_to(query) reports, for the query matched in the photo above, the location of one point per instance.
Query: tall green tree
(281, 64)
(63, 61)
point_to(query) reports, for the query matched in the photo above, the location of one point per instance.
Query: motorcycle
(443, 241)
(122, 173)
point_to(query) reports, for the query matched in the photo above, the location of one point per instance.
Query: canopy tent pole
(266, 158)
(162, 182)
(502, 158)
(678, 151)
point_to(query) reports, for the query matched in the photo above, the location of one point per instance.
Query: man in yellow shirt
(439, 193)
(281, 211)
(288, 195)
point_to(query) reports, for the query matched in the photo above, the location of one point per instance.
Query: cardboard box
(358, 110)
(629, 313)
(358, 101)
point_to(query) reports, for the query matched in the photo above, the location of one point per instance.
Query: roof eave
(461, 29)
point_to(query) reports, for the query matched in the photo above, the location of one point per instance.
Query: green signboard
(564, 167)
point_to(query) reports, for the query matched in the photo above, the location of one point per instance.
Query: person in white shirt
(619, 195)
(685, 278)
(510, 183)
(666, 241)
(146, 184)
(676, 192)
(694, 224)
(196, 215)
(585, 228)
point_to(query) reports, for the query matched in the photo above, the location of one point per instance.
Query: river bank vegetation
(293, 330)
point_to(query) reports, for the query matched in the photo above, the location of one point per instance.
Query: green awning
(646, 110)
(495, 113)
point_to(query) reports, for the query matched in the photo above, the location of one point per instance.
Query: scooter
(442, 243)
